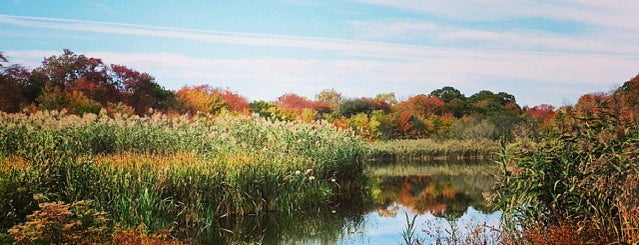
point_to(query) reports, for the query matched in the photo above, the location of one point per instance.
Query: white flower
(308, 171)
(298, 172)
(311, 178)
(333, 180)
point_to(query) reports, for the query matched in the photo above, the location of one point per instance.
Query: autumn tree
(234, 102)
(293, 102)
(422, 105)
(352, 107)
(411, 125)
(139, 90)
(329, 95)
(388, 98)
(201, 98)
(593, 105)
(13, 79)
(72, 72)
(543, 113)
(626, 101)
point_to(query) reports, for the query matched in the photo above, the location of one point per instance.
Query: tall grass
(582, 177)
(185, 172)
(429, 149)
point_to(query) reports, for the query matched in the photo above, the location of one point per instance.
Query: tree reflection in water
(436, 189)
(438, 193)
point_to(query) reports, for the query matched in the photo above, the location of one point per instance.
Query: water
(447, 200)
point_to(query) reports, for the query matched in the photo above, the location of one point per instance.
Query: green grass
(437, 168)
(184, 172)
(428, 150)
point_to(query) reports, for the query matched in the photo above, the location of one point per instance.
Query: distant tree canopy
(83, 84)
(448, 94)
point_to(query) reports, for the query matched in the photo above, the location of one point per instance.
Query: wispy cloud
(605, 26)
(358, 48)
(610, 14)
(363, 68)
(401, 29)
(340, 46)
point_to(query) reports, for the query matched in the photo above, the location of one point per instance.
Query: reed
(581, 176)
(428, 150)
(180, 172)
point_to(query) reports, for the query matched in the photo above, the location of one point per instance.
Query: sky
(541, 51)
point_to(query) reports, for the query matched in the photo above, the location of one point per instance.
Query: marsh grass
(407, 151)
(468, 168)
(160, 172)
(581, 177)
(451, 231)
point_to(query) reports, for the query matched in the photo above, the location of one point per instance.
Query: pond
(446, 201)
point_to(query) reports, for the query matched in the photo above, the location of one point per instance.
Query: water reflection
(441, 195)
(441, 189)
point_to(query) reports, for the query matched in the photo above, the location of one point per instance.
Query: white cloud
(362, 68)
(543, 41)
(605, 26)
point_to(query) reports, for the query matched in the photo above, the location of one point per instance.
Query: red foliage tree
(234, 102)
(543, 111)
(12, 81)
(293, 102)
(139, 90)
(422, 105)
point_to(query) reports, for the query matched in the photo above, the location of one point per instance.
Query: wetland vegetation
(97, 153)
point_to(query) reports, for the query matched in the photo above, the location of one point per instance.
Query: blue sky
(540, 51)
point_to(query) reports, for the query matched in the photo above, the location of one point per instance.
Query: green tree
(353, 107)
(261, 108)
(448, 94)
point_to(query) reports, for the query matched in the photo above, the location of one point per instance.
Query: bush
(17, 199)
(59, 223)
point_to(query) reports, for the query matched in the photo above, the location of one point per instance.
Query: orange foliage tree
(422, 105)
(207, 99)
(626, 101)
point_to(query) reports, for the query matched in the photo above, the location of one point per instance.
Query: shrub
(59, 223)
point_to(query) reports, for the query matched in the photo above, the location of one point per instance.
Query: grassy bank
(428, 150)
(173, 172)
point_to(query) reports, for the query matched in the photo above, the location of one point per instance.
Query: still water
(446, 201)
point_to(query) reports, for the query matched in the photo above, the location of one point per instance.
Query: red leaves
(298, 105)
(544, 111)
(234, 102)
(422, 105)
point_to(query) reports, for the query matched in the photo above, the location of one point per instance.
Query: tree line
(80, 84)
